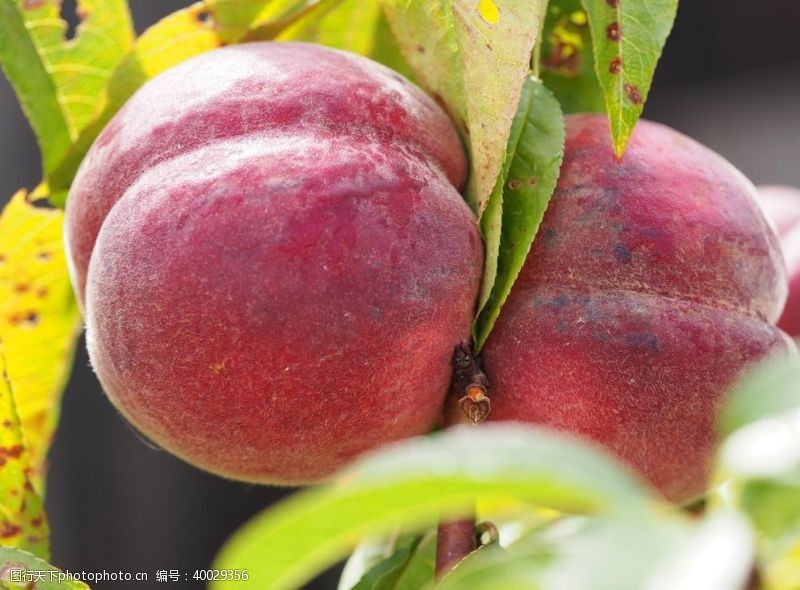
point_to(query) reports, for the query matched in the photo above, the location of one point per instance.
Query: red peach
(782, 206)
(651, 284)
(277, 261)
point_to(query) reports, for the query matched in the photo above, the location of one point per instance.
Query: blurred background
(729, 77)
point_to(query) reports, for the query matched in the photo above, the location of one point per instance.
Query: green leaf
(39, 320)
(531, 169)
(418, 481)
(409, 567)
(566, 60)
(473, 56)
(369, 554)
(627, 37)
(769, 389)
(183, 34)
(60, 82)
(16, 564)
(22, 519)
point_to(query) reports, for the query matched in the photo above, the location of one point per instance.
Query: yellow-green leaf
(627, 37)
(39, 320)
(474, 57)
(22, 519)
(183, 34)
(60, 82)
(352, 25)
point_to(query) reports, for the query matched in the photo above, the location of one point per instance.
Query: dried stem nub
(471, 384)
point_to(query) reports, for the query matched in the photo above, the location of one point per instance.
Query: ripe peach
(782, 206)
(651, 283)
(276, 259)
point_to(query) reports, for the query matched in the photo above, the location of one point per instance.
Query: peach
(652, 282)
(274, 259)
(782, 207)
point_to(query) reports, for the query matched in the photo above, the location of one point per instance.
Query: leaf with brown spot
(475, 56)
(627, 37)
(60, 82)
(39, 323)
(22, 519)
(183, 34)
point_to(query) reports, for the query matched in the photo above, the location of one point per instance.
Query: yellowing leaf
(60, 82)
(474, 56)
(183, 34)
(22, 521)
(39, 319)
(627, 37)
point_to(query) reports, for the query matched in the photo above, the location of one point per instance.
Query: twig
(468, 402)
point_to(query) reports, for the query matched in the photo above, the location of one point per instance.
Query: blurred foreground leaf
(627, 39)
(650, 552)
(39, 320)
(760, 463)
(60, 82)
(418, 481)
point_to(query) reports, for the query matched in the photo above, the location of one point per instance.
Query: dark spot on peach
(615, 66)
(420, 49)
(489, 46)
(21, 287)
(613, 3)
(37, 522)
(644, 340)
(633, 94)
(513, 184)
(44, 255)
(204, 17)
(613, 32)
(622, 253)
(533, 181)
(2, 258)
(42, 292)
(7, 423)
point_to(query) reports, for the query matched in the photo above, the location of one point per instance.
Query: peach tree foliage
(505, 70)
